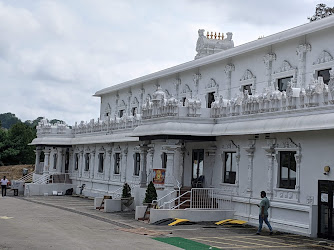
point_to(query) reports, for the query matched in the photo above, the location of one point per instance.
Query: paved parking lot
(221, 237)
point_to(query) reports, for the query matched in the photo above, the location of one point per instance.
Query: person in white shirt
(4, 183)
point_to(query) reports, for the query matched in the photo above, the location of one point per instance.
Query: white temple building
(238, 120)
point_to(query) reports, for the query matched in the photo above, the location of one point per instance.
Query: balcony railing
(316, 94)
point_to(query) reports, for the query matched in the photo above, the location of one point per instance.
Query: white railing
(44, 179)
(160, 202)
(169, 204)
(27, 177)
(209, 198)
(200, 198)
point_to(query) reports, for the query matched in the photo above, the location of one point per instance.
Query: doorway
(325, 209)
(197, 164)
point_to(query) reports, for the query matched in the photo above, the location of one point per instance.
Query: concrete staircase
(183, 198)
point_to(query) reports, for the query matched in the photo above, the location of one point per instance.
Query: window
(184, 101)
(117, 163)
(287, 169)
(121, 113)
(211, 99)
(87, 162)
(137, 164)
(230, 167)
(55, 161)
(101, 161)
(134, 111)
(283, 83)
(325, 75)
(164, 160)
(76, 167)
(248, 88)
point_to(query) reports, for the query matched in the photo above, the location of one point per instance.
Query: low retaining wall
(195, 215)
(42, 189)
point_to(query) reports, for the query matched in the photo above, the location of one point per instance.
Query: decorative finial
(215, 35)
(211, 35)
(219, 36)
(207, 34)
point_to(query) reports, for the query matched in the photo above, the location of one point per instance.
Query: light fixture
(326, 170)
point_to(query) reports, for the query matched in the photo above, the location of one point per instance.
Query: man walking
(4, 183)
(263, 213)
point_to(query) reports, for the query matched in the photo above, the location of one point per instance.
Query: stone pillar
(228, 72)
(108, 167)
(268, 61)
(270, 153)
(46, 161)
(70, 162)
(59, 160)
(210, 162)
(124, 160)
(177, 84)
(92, 164)
(143, 168)
(301, 52)
(250, 154)
(298, 157)
(169, 175)
(196, 79)
(81, 162)
(150, 155)
(38, 152)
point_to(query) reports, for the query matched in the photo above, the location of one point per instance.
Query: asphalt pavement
(66, 222)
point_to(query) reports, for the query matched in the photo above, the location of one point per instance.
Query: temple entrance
(325, 209)
(197, 168)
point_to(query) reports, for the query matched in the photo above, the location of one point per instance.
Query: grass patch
(185, 243)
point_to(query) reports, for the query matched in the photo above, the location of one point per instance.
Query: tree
(14, 148)
(8, 120)
(151, 193)
(321, 11)
(126, 192)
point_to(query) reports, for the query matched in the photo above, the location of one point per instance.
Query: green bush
(126, 193)
(151, 193)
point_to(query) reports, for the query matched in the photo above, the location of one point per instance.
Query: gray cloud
(55, 54)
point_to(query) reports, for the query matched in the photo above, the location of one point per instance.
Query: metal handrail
(175, 207)
(177, 198)
(163, 197)
(44, 179)
(27, 177)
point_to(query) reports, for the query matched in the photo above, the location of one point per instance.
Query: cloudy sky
(54, 55)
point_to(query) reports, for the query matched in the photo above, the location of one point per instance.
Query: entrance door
(325, 209)
(198, 163)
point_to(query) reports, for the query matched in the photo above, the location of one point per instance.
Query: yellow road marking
(5, 217)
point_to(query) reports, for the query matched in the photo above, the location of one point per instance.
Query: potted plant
(151, 194)
(127, 199)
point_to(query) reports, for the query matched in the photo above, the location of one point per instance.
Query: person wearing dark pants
(4, 183)
(263, 213)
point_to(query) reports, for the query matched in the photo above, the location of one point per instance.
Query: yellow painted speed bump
(223, 222)
(177, 221)
(231, 222)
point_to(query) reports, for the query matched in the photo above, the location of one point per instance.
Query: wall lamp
(326, 170)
